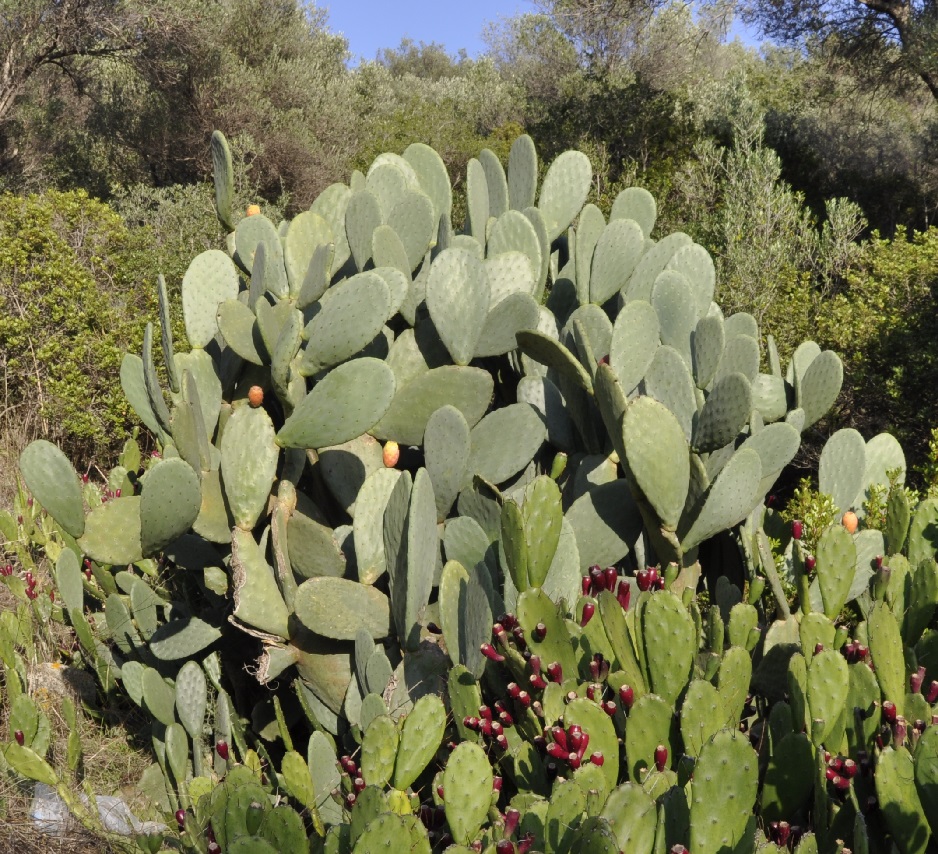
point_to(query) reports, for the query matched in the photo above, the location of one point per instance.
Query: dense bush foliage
(74, 279)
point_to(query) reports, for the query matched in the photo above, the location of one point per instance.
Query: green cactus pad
(223, 173)
(331, 204)
(590, 225)
(411, 566)
(496, 181)
(169, 504)
(346, 467)
(505, 441)
(603, 738)
(696, 265)
(412, 219)
(477, 200)
(257, 598)
(649, 724)
(657, 457)
(668, 381)
(516, 313)
(776, 445)
(618, 250)
(253, 232)
(338, 608)
(820, 386)
(467, 787)
(535, 607)
(707, 348)
(565, 188)
(362, 217)
(703, 714)
(210, 280)
(886, 649)
(133, 384)
(899, 800)
(349, 401)
(669, 663)
(158, 696)
(606, 522)
(368, 524)
(632, 814)
(54, 483)
(564, 815)
(352, 314)
(446, 453)
(921, 543)
(635, 338)
(651, 265)
(514, 233)
(724, 789)
(458, 300)
(387, 832)
(388, 251)
(724, 414)
(828, 683)
(249, 457)
(637, 204)
(421, 735)
(729, 499)
(112, 532)
(836, 565)
(467, 389)
(182, 638)
(509, 273)
(789, 778)
(465, 616)
(191, 698)
(550, 352)
(238, 327)
(305, 234)
(842, 467)
(432, 176)
(673, 300)
(522, 173)
(769, 397)
(740, 355)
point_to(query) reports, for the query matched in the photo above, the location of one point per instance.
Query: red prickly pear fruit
(84, 478)
(609, 708)
(391, 454)
(624, 595)
(585, 585)
(818, 648)
(916, 680)
(221, 748)
(20, 738)
(490, 653)
(889, 712)
(661, 757)
(797, 529)
(504, 846)
(597, 758)
(810, 563)
(255, 396)
(540, 632)
(588, 610)
(626, 696)
(181, 818)
(555, 671)
(678, 849)
(214, 847)
(497, 783)
(52, 596)
(610, 576)
(439, 792)
(932, 694)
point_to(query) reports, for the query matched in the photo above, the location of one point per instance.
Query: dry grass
(111, 764)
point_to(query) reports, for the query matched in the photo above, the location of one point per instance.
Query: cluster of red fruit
(597, 580)
(490, 727)
(31, 583)
(569, 745)
(6, 570)
(505, 845)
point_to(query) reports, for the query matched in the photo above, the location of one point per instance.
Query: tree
(58, 33)
(864, 28)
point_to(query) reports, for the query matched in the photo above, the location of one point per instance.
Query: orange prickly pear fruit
(253, 210)
(850, 521)
(391, 454)
(255, 396)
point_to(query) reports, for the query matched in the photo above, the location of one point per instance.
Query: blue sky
(370, 25)
(373, 24)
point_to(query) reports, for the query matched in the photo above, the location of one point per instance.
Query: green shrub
(883, 323)
(74, 281)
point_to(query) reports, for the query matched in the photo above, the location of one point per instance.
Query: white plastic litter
(51, 816)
